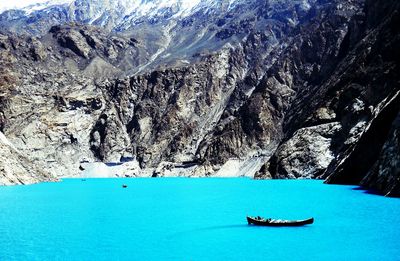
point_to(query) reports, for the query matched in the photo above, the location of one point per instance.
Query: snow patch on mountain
(132, 10)
(31, 5)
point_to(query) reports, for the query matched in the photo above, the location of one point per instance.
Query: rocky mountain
(344, 128)
(60, 102)
(173, 33)
(283, 89)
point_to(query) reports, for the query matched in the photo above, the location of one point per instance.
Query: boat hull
(279, 223)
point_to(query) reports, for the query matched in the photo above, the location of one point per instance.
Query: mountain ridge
(255, 89)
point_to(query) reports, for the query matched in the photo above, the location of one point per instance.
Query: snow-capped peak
(127, 7)
(122, 14)
(144, 7)
(30, 6)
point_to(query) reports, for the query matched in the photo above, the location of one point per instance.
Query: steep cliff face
(367, 162)
(383, 176)
(351, 112)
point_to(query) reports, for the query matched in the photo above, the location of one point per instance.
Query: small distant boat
(83, 179)
(259, 221)
(124, 186)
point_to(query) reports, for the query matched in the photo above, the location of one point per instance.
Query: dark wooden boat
(259, 221)
(124, 186)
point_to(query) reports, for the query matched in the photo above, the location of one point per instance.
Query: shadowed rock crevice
(363, 155)
(98, 136)
(385, 174)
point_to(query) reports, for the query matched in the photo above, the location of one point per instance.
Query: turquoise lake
(195, 219)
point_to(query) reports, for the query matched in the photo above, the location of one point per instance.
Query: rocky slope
(173, 33)
(15, 168)
(162, 118)
(49, 101)
(287, 89)
(344, 129)
(219, 111)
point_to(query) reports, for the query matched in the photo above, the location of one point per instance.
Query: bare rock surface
(283, 89)
(16, 169)
(360, 94)
(306, 154)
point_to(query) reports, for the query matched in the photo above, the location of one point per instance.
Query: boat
(259, 221)
(124, 186)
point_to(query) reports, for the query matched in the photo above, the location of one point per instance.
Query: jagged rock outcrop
(306, 155)
(361, 95)
(168, 112)
(382, 64)
(104, 54)
(15, 169)
(299, 70)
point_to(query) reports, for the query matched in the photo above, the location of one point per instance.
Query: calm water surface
(194, 219)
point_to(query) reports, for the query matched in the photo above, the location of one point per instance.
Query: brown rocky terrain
(49, 101)
(65, 108)
(287, 92)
